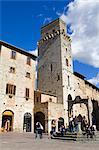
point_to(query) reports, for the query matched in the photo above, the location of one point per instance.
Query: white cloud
(40, 15)
(95, 80)
(47, 20)
(34, 52)
(83, 16)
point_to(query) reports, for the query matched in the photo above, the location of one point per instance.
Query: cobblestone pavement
(27, 141)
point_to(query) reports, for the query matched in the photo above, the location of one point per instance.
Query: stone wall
(18, 103)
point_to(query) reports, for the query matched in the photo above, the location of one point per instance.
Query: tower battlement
(53, 27)
(49, 36)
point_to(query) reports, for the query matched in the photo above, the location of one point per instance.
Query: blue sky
(21, 22)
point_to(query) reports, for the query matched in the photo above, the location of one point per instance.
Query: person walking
(39, 129)
(71, 124)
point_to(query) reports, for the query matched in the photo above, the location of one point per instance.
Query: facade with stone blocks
(61, 93)
(56, 76)
(17, 80)
(46, 109)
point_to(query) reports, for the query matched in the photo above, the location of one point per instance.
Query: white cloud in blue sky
(84, 19)
(34, 52)
(95, 80)
(47, 20)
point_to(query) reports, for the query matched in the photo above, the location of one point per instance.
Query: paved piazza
(27, 141)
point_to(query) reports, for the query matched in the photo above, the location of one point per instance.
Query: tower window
(51, 67)
(27, 74)
(13, 54)
(27, 93)
(58, 77)
(10, 89)
(68, 81)
(28, 60)
(67, 63)
(66, 49)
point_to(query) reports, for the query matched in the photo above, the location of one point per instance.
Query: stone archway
(39, 117)
(27, 124)
(7, 120)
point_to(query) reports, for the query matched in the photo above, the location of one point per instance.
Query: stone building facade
(47, 110)
(17, 80)
(61, 93)
(55, 76)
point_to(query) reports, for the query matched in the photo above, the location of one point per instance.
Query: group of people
(90, 131)
(84, 127)
(76, 125)
(72, 127)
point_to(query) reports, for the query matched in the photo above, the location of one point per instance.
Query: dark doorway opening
(39, 117)
(27, 122)
(7, 120)
(60, 123)
(95, 114)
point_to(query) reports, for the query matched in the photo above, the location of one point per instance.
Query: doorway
(39, 117)
(60, 123)
(27, 122)
(7, 120)
(95, 114)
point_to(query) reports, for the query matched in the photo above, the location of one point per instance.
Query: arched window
(67, 63)
(69, 106)
(68, 81)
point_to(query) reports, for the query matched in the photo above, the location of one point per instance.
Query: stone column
(79, 127)
(49, 126)
(90, 107)
(57, 125)
(46, 126)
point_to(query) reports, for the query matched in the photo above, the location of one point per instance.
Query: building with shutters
(17, 80)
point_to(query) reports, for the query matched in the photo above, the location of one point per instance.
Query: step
(75, 137)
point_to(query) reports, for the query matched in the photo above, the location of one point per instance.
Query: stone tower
(55, 61)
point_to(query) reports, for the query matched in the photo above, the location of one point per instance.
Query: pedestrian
(83, 123)
(39, 129)
(71, 124)
(7, 125)
(92, 131)
(53, 127)
(62, 130)
(76, 124)
(88, 131)
(66, 128)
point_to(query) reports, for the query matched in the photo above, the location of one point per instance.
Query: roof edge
(22, 51)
